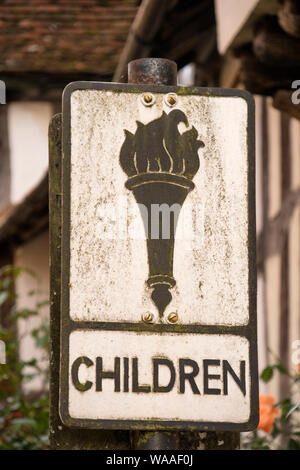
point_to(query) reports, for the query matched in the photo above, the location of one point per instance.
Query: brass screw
(147, 317)
(173, 317)
(171, 99)
(148, 99)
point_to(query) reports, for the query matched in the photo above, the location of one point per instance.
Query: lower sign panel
(201, 381)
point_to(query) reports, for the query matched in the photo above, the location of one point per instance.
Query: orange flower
(299, 368)
(267, 413)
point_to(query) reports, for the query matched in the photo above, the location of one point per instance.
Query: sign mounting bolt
(147, 317)
(171, 99)
(172, 317)
(148, 99)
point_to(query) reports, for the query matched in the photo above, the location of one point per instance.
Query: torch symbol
(160, 163)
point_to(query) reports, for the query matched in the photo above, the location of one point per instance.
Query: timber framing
(27, 219)
(107, 38)
(267, 49)
(37, 86)
(271, 240)
(180, 30)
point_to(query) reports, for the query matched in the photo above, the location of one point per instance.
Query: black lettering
(101, 374)
(240, 381)
(207, 377)
(126, 374)
(74, 373)
(135, 379)
(163, 362)
(190, 376)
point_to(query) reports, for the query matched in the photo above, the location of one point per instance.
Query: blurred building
(248, 44)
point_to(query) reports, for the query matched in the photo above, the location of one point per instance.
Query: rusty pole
(152, 72)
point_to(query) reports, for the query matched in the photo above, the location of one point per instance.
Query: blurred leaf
(267, 374)
(6, 283)
(276, 430)
(41, 335)
(281, 369)
(42, 304)
(28, 422)
(24, 421)
(24, 313)
(293, 444)
(285, 426)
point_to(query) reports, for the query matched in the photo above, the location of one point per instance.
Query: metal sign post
(158, 300)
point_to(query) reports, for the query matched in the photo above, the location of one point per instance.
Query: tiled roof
(84, 36)
(45, 44)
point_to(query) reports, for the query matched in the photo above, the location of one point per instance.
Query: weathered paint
(234, 201)
(108, 404)
(210, 264)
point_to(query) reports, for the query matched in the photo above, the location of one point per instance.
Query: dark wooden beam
(36, 86)
(5, 176)
(245, 34)
(176, 49)
(262, 79)
(272, 46)
(140, 38)
(276, 229)
(187, 29)
(200, 13)
(289, 17)
(27, 219)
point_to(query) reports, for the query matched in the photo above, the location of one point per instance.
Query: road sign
(158, 271)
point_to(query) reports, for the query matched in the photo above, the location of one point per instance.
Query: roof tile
(60, 36)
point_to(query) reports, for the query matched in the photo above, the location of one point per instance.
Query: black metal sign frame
(248, 331)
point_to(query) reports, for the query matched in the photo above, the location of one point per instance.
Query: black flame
(159, 147)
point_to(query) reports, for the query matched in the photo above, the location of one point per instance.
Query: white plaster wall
(27, 130)
(230, 17)
(186, 75)
(35, 256)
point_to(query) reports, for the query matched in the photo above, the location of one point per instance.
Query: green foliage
(268, 372)
(285, 434)
(24, 418)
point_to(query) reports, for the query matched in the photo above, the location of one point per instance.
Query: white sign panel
(158, 294)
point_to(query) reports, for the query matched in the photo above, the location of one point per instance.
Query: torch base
(160, 196)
